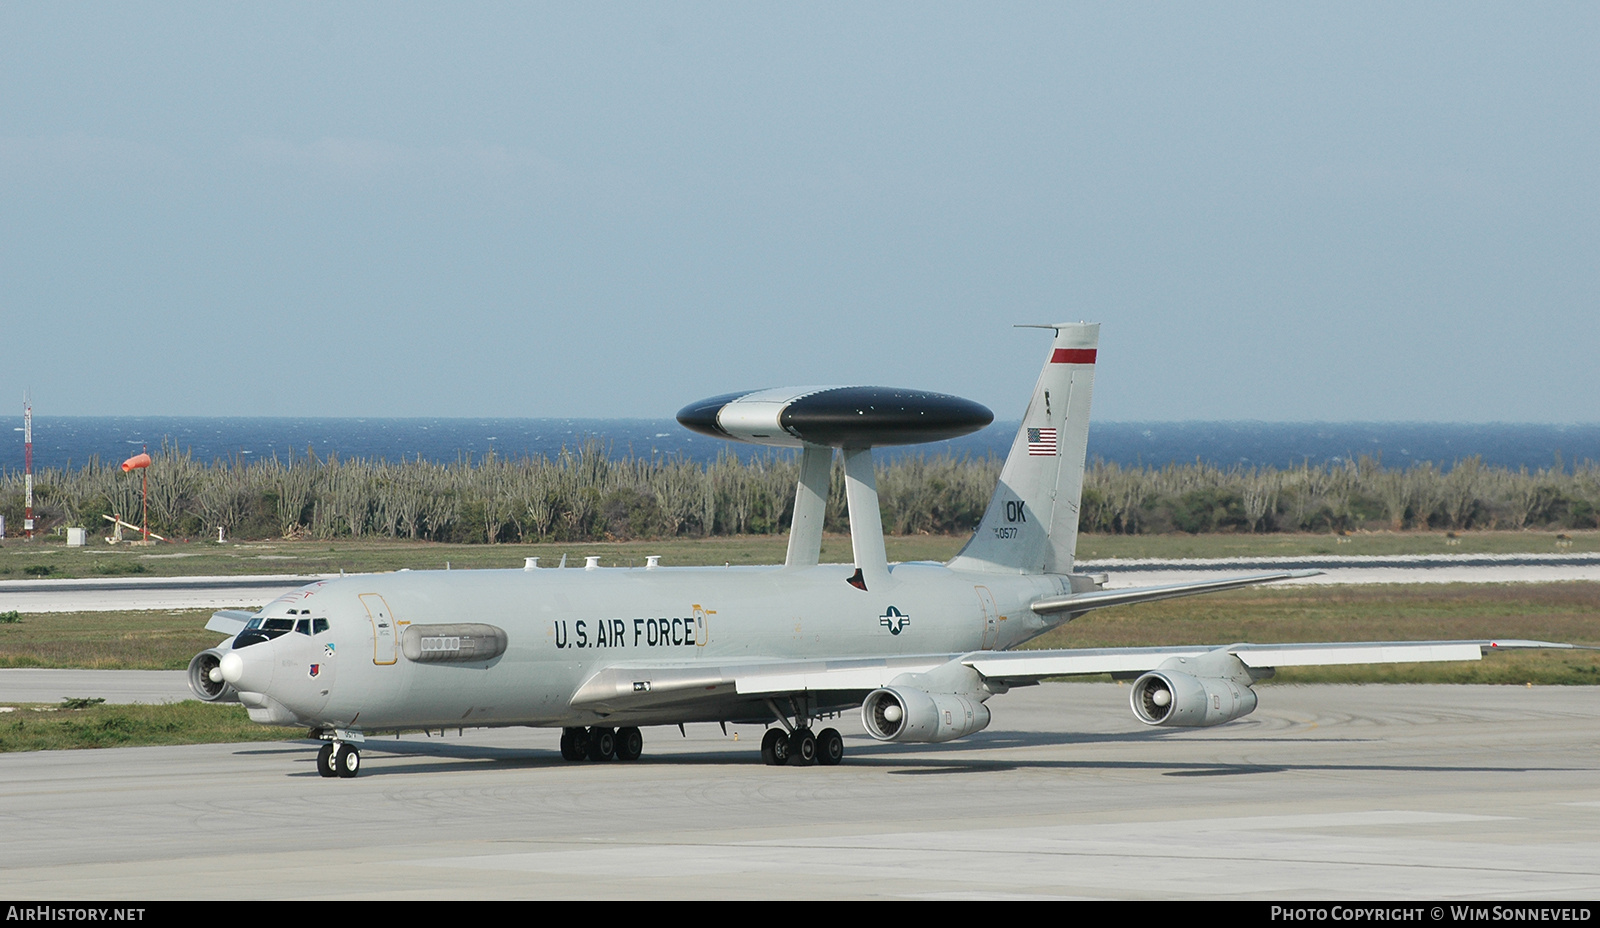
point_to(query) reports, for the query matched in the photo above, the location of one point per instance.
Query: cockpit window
(258, 630)
(303, 627)
(318, 626)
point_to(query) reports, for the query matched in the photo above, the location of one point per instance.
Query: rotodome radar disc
(840, 417)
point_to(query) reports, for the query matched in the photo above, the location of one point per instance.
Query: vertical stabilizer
(1031, 525)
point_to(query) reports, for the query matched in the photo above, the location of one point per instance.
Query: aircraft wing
(649, 685)
(1024, 667)
(640, 686)
(1100, 599)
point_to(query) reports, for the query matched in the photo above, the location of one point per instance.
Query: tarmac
(28, 684)
(1325, 792)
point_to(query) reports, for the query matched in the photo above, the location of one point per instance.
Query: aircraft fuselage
(563, 626)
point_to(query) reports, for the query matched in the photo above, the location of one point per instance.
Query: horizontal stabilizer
(229, 621)
(1100, 599)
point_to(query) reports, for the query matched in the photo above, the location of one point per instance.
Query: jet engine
(1168, 697)
(205, 677)
(899, 713)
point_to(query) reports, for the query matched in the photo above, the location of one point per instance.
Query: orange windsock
(137, 461)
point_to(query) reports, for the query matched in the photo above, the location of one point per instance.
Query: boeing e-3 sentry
(919, 648)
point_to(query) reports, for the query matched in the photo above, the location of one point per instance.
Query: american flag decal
(1042, 441)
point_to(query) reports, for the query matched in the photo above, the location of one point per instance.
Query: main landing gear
(601, 743)
(795, 745)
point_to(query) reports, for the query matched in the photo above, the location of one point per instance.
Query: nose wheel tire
(830, 747)
(775, 747)
(346, 761)
(325, 761)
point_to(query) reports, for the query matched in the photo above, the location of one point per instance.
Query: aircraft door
(383, 646)
(991, 617)
(702, 632)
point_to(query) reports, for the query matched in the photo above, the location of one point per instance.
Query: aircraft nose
(247, 670)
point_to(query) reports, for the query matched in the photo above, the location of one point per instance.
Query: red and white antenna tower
(27, 462)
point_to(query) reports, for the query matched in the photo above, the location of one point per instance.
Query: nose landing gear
(337, 758)
(346, 761)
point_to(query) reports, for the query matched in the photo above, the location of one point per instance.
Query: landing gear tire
(346, 761)
(602, 744)
(830, 747)
(325, 761)
(574, 743)
(630, 743)
(775, 747)
(802, 748)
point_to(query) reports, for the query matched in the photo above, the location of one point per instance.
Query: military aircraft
(919, 648)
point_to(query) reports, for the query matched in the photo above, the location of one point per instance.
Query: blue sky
(1278, 211)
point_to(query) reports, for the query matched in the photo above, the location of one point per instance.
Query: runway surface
(1351, 792)
(28, 684)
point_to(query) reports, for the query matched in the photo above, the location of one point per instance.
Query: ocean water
(72, 441)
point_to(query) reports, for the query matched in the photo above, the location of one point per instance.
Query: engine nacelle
(205, 677)
(901, 713)
(1170, 697)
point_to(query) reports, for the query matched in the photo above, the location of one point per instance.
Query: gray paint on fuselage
(604, 618)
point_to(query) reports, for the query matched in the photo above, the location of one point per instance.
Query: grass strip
(51, 558)
(54, 728)
(1380, 612)
(106, 640)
